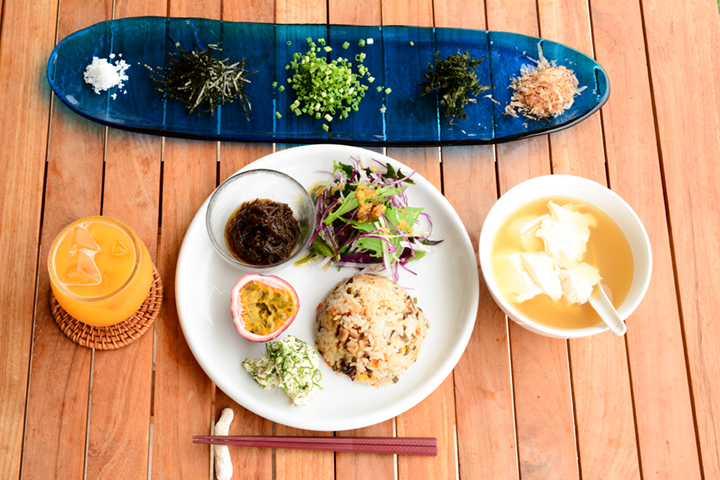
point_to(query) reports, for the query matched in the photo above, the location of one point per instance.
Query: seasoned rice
(370, 329)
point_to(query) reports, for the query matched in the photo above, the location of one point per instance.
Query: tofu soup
(549, 254)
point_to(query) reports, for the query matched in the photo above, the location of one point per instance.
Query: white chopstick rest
(223, 464)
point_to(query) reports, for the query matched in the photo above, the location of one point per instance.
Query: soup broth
(607, 250)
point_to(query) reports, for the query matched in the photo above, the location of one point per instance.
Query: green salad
(363, 219)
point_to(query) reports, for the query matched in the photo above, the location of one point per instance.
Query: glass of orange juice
(100, 270)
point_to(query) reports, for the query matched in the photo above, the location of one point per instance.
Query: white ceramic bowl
(587, 191)
(250, 185)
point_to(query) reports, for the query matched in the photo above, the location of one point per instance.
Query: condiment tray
(396, 56)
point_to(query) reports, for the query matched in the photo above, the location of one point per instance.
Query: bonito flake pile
(543, 91)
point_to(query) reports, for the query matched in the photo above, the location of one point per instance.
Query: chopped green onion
(281, 89)
(325, 127)
(361, 42)
(277, 114)
(326, 88)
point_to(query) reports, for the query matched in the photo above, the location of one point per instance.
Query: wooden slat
(543, 404)
(57, 416)
(365, 12)
(663, 410)
(301, 11)
(578, 150)
(298, 463)
(351, 466)
(434, 416)
(57, 410)
(418, 13)
(122, 379)
(459, 14)
(255, 463)
(686, 113)
(603, 410)
(183, 392)
(26, 40)
(469, 183)
(483, 389)
(262, 11)
(251, 463)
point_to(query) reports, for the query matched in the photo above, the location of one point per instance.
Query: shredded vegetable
(363, 220)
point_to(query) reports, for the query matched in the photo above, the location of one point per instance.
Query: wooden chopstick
(383, 445)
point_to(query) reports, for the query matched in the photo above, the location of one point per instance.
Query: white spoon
(604, 307)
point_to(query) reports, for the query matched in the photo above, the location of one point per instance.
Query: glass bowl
(251, 185)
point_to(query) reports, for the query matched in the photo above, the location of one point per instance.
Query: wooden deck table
(517, 405)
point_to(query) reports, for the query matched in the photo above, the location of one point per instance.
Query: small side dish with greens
(290, 364)
(364, 220)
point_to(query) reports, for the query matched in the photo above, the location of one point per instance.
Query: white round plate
(446, 285)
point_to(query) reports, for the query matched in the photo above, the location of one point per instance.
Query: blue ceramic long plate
(397, 58)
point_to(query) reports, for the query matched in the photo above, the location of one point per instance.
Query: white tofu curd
(550, 263)
(543, 272)
(565, 234)
(516, 280)
(578, 282)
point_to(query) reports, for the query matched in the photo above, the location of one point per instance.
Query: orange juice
(100, 271)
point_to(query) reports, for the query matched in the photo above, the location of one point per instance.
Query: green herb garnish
(326, 89)
(456, 79)
(198, 79)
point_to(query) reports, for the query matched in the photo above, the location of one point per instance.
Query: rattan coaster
(113, 336)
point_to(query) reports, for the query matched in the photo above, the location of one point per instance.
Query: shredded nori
(197, 79)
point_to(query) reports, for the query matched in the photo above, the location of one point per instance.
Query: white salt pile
(103, 75)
